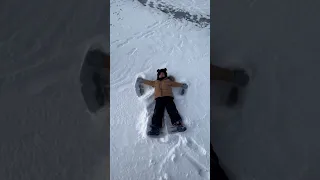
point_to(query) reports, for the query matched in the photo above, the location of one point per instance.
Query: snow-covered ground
(143, 40)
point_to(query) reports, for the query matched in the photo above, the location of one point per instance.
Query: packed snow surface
(144, 40)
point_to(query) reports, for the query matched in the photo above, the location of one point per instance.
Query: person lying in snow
(164, 100)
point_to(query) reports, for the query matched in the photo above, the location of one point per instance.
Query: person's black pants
(163, 103)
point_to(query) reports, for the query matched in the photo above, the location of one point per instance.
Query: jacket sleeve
(175, 84)
(147, 82)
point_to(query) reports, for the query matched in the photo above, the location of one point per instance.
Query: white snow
(143, 40)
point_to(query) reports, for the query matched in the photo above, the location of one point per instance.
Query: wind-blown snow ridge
(142, 41)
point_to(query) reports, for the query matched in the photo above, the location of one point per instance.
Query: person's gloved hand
(140, 79)
(184, 86)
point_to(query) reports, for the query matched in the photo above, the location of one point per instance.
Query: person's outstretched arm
(147, 82)
(176, 84)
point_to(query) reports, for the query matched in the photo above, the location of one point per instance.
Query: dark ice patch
(199, 19)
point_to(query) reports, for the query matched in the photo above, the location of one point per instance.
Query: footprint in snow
(164, 139)
(152, 162)
(201, 170)
(173, 158)
(164, 177)
(191, 143)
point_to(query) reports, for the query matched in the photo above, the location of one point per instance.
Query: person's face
(162, 75)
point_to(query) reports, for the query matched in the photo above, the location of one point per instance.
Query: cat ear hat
(162, 70)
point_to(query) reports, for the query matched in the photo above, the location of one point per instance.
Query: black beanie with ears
(161, 70)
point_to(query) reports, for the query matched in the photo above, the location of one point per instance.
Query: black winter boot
(154, 131)
(180, 127)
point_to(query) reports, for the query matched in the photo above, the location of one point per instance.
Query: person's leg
(173, 112)
(158, 113)
(175, 117)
